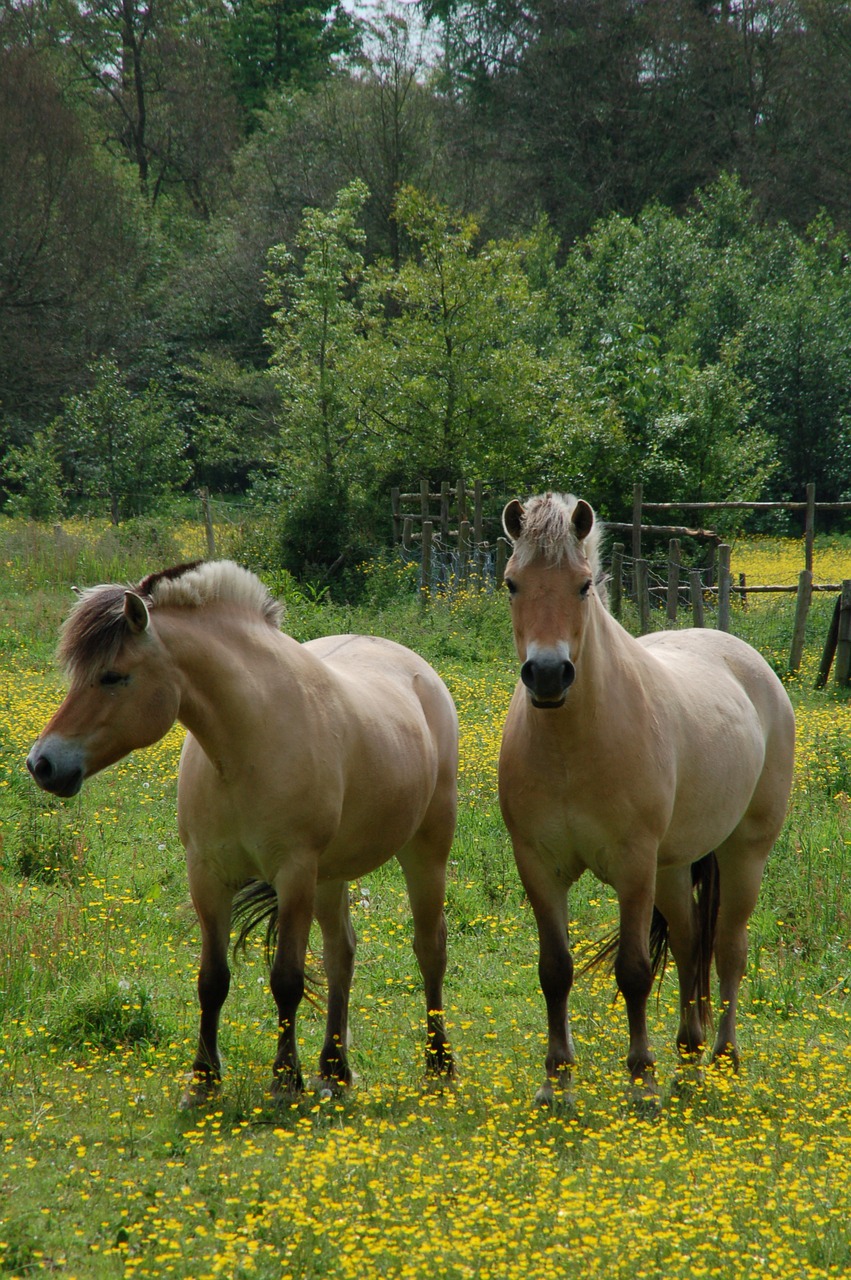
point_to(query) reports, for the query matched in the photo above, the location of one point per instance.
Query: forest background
(298, 255)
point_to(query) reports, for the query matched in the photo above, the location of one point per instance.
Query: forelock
(548, 531)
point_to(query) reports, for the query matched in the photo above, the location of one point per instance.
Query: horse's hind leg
(424, 864)
(741, 861)
(675, 900)
(212, 901)
(338, 946)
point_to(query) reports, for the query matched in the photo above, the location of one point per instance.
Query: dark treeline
(298, 255)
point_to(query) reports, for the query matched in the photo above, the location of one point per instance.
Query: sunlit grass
(102, 1176)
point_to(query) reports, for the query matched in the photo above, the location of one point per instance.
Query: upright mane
(96, 627)
(548, 531)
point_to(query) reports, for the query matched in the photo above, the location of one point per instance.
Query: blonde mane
(96, 628)
(548, 531)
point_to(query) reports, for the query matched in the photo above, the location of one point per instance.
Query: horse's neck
(611, 664)
(230, 669)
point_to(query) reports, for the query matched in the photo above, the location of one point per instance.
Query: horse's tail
(608, 948)
(704, 878)
(255, 905)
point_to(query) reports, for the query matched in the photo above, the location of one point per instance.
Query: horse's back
(373, 667)
(708, 665)
(735, 709)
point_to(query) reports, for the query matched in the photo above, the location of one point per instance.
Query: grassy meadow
(103, 1177)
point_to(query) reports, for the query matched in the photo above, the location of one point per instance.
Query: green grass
(102, 1176)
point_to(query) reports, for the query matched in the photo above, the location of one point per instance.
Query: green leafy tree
(32, 476)
(455, 381)
(315, 329)
(314, 337)
(273, 43)
(120, 449)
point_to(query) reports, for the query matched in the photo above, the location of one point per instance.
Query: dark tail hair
(704, 878)
(256, 905)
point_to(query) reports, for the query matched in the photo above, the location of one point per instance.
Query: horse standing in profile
(305, 766)
(662, 764)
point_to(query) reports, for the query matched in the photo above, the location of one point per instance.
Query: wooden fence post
(396, 508)
(810, 527)
(842, 670)
(636, 521)
(425, 570)
(444, 512)
(408, 532)
(642, 591)
(424, 512)
(616, 585)
(463, 552)
(802, 606)
(673, 596)
(478, 517)
(695, 589)
(503, 551)
(209, 531)
(723, 587)
(461, 499)
(829, 645)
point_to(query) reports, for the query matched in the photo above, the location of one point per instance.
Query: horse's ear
(582, 519)
(512, 519)
(136, 612)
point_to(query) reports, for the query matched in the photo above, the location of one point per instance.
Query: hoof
(437, 1082)
(689, 1079)
(200, 1090)
(642, 1096)
(286, 1087)
(726, 1057)
(326, 1087)
(557, 1095)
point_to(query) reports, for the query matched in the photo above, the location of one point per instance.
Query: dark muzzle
(548, 678)
(59, 773)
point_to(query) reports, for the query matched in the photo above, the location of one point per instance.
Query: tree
(70, 241)
(271, 44)
(118, 448)
(314, 330)
(155, 76)
(454, 381)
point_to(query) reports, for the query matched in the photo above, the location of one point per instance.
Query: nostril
(41, 768)
(527, 674)
(569, 674)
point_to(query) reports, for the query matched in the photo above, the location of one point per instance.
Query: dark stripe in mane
(96, 628)
(147, 586)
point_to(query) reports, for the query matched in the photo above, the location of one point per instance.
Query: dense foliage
(297, 257)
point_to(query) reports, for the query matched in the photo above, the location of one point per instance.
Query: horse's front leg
(338, 952)
(212, 901)
(548, 897)
(634, 976)
(295, 913)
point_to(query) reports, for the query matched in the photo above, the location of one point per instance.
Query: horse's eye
(111, 678)
(585, 588)
(511, 585)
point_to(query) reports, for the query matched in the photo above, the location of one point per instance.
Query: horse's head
(124, 692)
(550, 579)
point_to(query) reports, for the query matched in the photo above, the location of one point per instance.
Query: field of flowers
(103, 1177)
